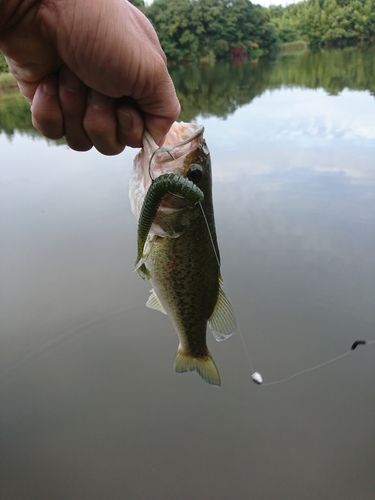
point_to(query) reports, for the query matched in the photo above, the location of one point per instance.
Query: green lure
(162, 185)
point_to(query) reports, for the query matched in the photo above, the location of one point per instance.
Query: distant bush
(221, 48)
(288, 35)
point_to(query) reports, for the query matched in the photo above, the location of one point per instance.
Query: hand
(93, 71)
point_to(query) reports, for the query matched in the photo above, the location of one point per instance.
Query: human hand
(94, 72)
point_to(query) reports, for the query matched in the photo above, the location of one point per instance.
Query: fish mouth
(181, 134)
(181, 140)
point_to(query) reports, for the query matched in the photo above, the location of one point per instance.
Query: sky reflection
(297, 128)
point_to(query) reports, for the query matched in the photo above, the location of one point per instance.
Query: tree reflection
(220, 89)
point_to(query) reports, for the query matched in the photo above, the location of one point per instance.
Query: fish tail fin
(204, 366)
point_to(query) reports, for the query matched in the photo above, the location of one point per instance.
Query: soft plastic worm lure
(166, 183)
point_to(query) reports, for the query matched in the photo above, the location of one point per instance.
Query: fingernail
(70, 80)
(97, 98)
(125, 120)
(49, 88)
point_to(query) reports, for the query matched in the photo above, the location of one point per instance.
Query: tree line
(190, 29)
(326, 23)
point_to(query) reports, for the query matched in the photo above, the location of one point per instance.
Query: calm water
(90, 405)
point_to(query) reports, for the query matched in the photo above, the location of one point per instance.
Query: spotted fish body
(171, 195)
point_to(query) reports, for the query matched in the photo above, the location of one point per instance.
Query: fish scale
(191, 310)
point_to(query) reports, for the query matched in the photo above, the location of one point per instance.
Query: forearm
(11, 11)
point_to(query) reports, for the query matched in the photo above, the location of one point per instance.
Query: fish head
(184, 153)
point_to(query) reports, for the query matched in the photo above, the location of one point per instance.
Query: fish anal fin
(204, 366)
(222, 322)
(154, 303)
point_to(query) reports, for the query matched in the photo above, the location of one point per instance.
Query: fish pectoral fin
(142, 270)
(140, 265)
(154, 303)
(204, 366)
(222, 322)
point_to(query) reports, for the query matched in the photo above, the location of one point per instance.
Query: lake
(91, 407)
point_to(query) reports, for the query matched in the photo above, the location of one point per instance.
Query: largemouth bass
(171, 197)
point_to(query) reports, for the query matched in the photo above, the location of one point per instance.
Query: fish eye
(195, 173)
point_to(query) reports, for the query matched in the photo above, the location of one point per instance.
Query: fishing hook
(152, 157)
(152, 179)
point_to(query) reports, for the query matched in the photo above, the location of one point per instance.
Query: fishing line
(226, 292)
(307, 370)
(59, 339)
(354, 345)
(210, 235)
(256, 376)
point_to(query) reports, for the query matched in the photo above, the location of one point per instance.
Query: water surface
(90, 404)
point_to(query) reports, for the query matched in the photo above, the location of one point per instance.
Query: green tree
(172, 22)
(328, 22)
(139, 4)
(188, 29)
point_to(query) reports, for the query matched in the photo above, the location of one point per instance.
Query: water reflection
(222, 89)
(297, 129)
(90, 404)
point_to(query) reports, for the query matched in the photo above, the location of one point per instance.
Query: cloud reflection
(296, 129)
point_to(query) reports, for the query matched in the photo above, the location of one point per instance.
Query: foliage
(327, 22)
(140, 4)
(3, 65)
(192, 29)
(7, 81)
(288, 34)
(189, 29)
(15, 115)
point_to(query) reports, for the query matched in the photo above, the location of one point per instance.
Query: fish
(171, 197)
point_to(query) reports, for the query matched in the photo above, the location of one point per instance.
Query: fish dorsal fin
(222, 322)
(154, 302)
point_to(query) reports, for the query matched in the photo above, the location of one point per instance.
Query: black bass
(171, 197)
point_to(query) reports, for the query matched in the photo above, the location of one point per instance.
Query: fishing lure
(166, 183)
